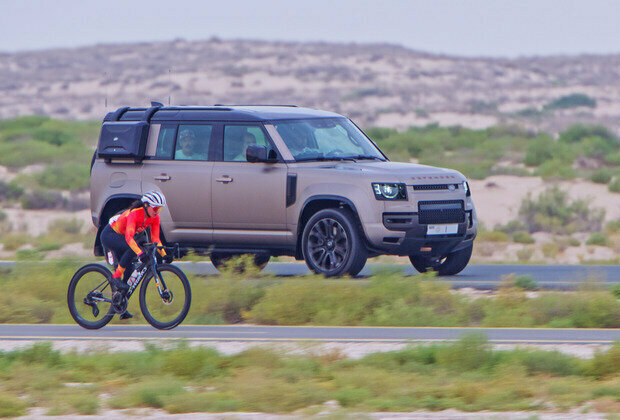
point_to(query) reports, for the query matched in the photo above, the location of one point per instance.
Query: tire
(219, 259)
(89, 278)
(160, 314)
(453, 264)
(332, 244)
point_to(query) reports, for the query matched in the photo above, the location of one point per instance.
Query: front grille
(440, 212)
(434, 187)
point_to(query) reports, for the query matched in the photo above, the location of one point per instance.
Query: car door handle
(163, 178)
(225, 179)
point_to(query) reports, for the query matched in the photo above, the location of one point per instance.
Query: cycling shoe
(126, 315)
(118, 285)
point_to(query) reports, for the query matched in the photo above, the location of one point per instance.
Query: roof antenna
(169, 84)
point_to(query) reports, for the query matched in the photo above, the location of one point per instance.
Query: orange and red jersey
(133, 221)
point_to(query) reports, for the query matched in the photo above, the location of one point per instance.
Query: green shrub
(550, 249)
(13, 241)
(525, 254)
(552, 211)
(150, 393)
(525, 282)
(191, 362)
(493, 236)
(615, 290)
(470, 352)
(576, 133)
(571, 101)
(556, 169)
(601, 176)
(522, 237)
(10, 191)
(598, 238)
(604, 363)
(614, 185)
(11, 406)
(539, 151)
(202, 402)
(548, 362)
(67, 176)
(39, 200)
(511, 227)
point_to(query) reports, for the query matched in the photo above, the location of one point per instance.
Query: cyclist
(118, 236)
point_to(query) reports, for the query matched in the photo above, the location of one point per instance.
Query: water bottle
(133, 279)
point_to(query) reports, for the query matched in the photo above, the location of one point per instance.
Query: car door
(183, 174)
(249, 199)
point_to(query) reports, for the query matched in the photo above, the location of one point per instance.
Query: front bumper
(401, 233)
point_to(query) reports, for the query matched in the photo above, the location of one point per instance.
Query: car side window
(165, 142)
(193, 142)
(238, 137)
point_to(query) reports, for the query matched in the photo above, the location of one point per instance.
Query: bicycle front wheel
(89, 296)
(166, 309)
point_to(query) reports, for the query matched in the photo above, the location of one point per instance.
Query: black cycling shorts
(116, 243)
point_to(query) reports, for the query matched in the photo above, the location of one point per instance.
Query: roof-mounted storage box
(123, 140)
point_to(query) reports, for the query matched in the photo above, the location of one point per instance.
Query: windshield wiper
(322, 159)
(360, 157)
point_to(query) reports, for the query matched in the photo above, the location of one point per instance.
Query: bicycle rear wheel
(89, 296)
(167, 311)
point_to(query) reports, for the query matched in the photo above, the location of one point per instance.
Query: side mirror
(259, 154)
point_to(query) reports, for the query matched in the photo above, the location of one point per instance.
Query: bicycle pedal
(126, 315)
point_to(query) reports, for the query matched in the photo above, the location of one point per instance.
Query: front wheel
(332, 244)
(453, 264)
(90, 296)
(166, 309)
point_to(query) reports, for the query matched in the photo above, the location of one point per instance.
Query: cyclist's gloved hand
(143, 257)
(168, 259)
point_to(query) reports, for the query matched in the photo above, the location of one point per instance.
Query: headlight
(384, 191)
(466, 188)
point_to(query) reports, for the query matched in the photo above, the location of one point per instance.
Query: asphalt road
(563, 277)
(247, 333)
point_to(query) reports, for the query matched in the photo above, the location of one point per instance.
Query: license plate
(442, 229)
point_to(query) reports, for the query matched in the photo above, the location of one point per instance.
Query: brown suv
(280, 180)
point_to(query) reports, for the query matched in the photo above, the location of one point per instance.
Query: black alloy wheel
(89, 296)
(219, 259)
(332, 244)
(452, 264)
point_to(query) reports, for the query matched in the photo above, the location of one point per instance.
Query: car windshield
(326, 139)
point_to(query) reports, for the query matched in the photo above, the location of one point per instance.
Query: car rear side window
(238, 137)
(193, 142)
(165, 142)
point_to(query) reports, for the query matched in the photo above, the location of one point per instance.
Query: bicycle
(164, 303)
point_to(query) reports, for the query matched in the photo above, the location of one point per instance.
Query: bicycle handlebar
(150, 247)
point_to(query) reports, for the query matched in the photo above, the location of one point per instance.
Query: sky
(490, 28)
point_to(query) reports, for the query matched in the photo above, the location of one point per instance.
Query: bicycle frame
(143, 269)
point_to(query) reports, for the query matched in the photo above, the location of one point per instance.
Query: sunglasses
(156, 209)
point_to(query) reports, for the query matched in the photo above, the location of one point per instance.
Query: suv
(280, 180)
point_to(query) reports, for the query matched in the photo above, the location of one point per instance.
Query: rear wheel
(168, 309)
(90, 295)
(332, 244)
(452, 264)
(219, 259)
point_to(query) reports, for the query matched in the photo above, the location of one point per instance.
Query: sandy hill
(376, 84)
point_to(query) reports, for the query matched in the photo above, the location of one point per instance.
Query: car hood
(408, 173)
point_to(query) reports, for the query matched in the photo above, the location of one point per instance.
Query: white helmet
(154, 199)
